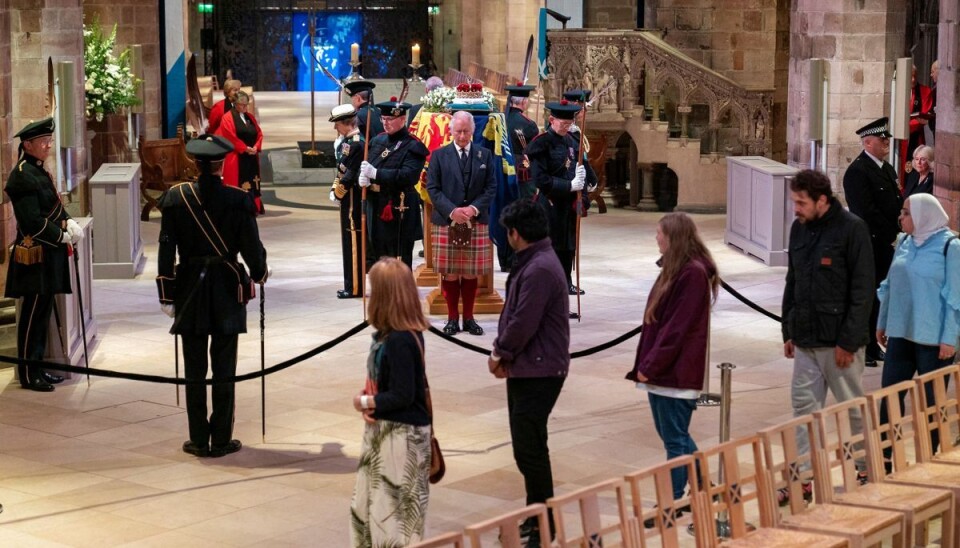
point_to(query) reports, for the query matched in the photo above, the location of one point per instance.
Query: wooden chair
(163, 164)
(452, 540)
(741, 486)
(909, 462)
(593, 532)
(507, 527)
(666, 529)
(942, 412)
(841, 447)
(861, 526)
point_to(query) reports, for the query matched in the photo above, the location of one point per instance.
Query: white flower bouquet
(109, 84)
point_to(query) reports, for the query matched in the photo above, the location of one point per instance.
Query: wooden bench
(163, 164)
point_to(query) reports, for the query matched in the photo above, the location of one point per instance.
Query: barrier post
(707, 399)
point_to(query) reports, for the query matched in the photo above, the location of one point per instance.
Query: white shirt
(460, 151)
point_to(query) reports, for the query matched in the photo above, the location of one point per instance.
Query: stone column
(634, 176)
(684, 116)
(948, 115)
(647, 203)
(861, 43)
(7, 148)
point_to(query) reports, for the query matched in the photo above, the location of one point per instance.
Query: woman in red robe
(241, 168)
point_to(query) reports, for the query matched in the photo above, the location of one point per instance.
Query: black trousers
(35, 313)
(218, 430)
(350, 243)
(882, 257)
(529, 403)
(390, 247)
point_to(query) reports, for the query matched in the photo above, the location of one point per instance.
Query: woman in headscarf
(920, 299)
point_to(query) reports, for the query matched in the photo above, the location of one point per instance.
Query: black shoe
(51, 378)
(472, 327)
(196, 449)
(875, 354)
(650, 523)
(232, 446)
(344, 294)
(574, 316)
(870, 363)
(573, 290)
(452, 327)
(420, 254)
(39, 385)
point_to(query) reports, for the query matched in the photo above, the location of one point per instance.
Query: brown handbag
(437, 467)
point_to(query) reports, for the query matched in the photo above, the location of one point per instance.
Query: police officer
(209, 224)
(560, 181)
(349, 153)
(392, 169)
(39, 265)
(361, 97)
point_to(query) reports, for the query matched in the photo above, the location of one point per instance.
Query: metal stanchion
(726, 380)
(707, 399)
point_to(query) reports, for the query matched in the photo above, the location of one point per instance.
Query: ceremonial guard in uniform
(208, 224)
(560, 181)
(461, 183)
(393, 168)
(361, 97)
(871, 188)
(39, 266)
(521, 130)
(349, 153)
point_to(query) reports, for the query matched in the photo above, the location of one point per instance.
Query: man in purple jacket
(532, 347)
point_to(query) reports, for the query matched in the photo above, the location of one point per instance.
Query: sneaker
(783, 494)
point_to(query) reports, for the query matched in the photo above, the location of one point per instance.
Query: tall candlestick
(354, 53)
(415, 51)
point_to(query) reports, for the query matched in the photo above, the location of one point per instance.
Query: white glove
(581, 172)
(65, 238)
(366, 168)
(333, 198)
(167, 309)
(364, 180)
(576, 184)
(76, 233)
(269, 273)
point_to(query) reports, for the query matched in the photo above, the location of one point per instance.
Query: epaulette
(20, 165)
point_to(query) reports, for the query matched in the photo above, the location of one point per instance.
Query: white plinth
(115, 201)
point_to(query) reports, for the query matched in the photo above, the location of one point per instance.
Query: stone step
(285, 170)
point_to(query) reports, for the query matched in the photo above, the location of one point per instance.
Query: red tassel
(387, 214)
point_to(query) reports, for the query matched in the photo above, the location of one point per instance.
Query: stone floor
(102, 466)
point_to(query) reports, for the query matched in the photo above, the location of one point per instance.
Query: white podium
(115, 204)
(759, 209)
(67, 307)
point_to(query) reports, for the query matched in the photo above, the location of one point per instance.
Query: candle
(354, 53)
(415, 51)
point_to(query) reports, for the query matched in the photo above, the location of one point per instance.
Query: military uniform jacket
(522, 131)
(553, 164)
(399, 159)
(41, 218)
(349, 156)
(376, 125)
(204, 287)
(873, 195)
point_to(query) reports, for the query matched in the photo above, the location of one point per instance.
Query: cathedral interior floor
(101, 465)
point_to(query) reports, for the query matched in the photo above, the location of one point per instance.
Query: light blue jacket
(920, 299)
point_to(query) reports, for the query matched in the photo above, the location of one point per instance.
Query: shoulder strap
(204, 223)
(946, 246)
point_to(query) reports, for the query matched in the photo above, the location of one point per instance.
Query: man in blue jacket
(532, 348)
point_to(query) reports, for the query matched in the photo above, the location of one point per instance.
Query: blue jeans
(905, 359)
(671, 417)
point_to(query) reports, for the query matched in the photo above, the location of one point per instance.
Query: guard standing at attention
(39, 267)
(561, 182)
(392, 169)
(348, 148)
(209, 224)
(361, 97)
(521, 130)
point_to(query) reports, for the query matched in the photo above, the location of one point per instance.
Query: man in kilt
(562, 184)
(461, 183)
(391, 172)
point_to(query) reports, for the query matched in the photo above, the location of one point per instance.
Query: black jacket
(399, 159)
(448, 190)
(40, 215)
(203, 287)
(873, 195)
(913, 185)
(830, 282)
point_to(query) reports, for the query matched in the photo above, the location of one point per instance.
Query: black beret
(209, 147)
(358, 85)
(519, 90)
(36, 129)
(564, 110)
(579, 95)
(393, 107)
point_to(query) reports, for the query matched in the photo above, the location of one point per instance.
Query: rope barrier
(327, 346)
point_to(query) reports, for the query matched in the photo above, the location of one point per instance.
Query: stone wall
(610, 14)
(861, 44)
(947, 143)
(7, 149)
(495, 34)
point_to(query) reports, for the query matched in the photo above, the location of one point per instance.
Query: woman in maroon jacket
(671, 357)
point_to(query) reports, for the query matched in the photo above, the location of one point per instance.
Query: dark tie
(463, 159)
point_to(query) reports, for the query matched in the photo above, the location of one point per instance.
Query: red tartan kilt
(473, 260)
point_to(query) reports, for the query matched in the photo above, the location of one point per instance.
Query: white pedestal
(67, 306)
(759, 210)
(115, 201)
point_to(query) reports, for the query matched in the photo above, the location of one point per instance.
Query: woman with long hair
(672, 354)
(389, 505)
